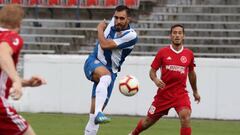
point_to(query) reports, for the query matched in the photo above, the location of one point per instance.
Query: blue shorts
(90, 65)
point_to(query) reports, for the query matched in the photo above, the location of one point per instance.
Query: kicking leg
(101, 96)
(101, 92)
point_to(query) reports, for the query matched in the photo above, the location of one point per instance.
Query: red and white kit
(174, 66)
(11, 123)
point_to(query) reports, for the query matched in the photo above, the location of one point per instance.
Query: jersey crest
(183, 59)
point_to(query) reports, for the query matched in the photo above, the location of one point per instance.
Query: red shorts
(11, 123)
(162, 104)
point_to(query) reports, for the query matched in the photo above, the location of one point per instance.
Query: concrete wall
(68, 91)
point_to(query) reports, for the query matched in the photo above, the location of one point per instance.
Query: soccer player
(101, 67)
(175, 62)
(11, 123)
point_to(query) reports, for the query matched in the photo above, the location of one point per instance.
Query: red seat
(53, 2)
(92, 2)
(33, 2)
(130, 2)
(1, 1)
(111, 2)
(72, 2)
(17, 1)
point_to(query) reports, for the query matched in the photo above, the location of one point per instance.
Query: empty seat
(111, 2)
(130, 2)
(17, 1)
(53, 2)
(92, 2)
(33, 2)
(72, 2)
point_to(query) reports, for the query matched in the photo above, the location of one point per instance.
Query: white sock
(91, 128)
(101, 92)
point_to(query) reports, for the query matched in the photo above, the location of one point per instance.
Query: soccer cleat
(101, 119)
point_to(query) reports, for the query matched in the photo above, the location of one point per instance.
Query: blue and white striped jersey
(113, 58)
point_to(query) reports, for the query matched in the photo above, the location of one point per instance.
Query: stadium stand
(72, 2)
(17, 1)
(215, 26)
(51, 36)
(53, 2)
(37, 51)
(212, 27)
(82, 4)
(33, 2)
(44, 47)
(110, 3)
(130, 3)
(92, 3)
(48, 43)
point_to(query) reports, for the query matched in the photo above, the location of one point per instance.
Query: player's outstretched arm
(104, 43)
(34, 81)
(193, 82)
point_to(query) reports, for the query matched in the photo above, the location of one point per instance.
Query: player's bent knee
(185, 118)
(101, 71)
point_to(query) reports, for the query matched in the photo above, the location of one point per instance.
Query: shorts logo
(152, 109)
(183, 59)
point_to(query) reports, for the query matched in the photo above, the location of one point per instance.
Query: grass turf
(73, 124)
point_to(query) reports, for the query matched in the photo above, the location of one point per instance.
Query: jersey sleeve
(157, 62)
(126, 40)
(14, 41)
(192, 63)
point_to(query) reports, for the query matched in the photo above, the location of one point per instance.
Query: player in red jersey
(11, 123)
(176, 63)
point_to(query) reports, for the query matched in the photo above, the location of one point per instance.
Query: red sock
(138, 129)
(186, 131)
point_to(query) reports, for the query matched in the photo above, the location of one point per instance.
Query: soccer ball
(128, 85)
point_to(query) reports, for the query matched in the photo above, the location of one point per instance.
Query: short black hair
(122, 8)
(177, 25)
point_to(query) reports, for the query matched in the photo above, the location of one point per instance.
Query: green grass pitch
(73, 124)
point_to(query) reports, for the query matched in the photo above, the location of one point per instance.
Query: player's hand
(35, 81)
(102, 25)
(159, 83)
(16, 90)
(196, 96)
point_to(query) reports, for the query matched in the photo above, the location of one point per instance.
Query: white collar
(3, 29)
(179, 51)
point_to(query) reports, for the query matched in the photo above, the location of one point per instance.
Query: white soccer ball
(128, 85)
